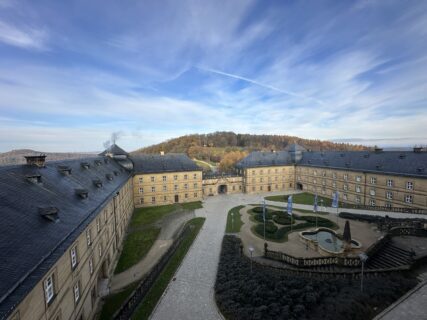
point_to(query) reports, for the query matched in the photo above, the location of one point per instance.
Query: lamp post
(232, 222)
(251, 250)
(363, 257)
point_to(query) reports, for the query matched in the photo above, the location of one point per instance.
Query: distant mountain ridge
(213, 146)
(17, 156)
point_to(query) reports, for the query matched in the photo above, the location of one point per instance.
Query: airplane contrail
(267, 86)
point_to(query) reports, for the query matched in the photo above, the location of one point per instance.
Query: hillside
(17, 156)
(211, 147)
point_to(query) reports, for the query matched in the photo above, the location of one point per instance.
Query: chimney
(38, 161)
(162, 153)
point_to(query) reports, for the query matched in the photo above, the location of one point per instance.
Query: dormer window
(85, 165)
(98, 162)
(65, 170)
(109, 176)
(73, 255)
(49, 213)
(97, 183)
(116, 173)
(402, 156)
(106, 161)
(366, 155)
(34, 178)
(82, 193)
(420, 170)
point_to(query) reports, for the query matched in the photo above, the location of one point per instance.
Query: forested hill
(196, 145)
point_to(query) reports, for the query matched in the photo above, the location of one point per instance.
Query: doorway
(222, 189)
(299, 186)
(176, 198)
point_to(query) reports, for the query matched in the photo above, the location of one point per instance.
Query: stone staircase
(390, 256)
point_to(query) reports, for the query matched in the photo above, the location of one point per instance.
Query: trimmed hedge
(267, 294)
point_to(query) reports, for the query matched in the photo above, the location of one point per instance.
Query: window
(323, 182)
(372, 202)
(253, 188)
(345, 186)
(152, 179)
(408, 198)
(99, 249)
(314, 181)
(409, 185)
(390, 183)
(76, 292)
(334, 175)
(165, 198)
(195, 186)
(324, 174)
(175, 177)
(175, 187)
(260, 179)
(185, 176)
(153, 199)
(315, 172)
(388, 204)
(372, 192)
(73, 253)
(260, 188)
(357, 188)
(344, 196)
(165, 188)
(389, 195)
(153, 189)
(186, 195)
(88, 237)
(195, 195)
(195, 176)
(345, 176)
(141, 190)
(141, 179)
(164, 178)
(358, 178)
(253, 172)
(334, 185)
(91, 265)
(185, 186)
(98, 225)
(358, 199)
(49, 289)
(141, 201)
(373, 180)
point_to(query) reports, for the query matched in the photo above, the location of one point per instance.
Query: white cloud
(27, 38)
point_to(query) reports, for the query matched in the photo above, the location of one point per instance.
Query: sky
(74, 72)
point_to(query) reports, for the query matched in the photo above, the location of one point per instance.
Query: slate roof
(265, 159)
(170, 162)
(30, 244)
(114, 149)
(294, 147)
(407, 163)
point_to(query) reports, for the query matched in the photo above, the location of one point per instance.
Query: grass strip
(113, 302)
(234, 221)
(149, 215)
(136, 246)
(150, 301)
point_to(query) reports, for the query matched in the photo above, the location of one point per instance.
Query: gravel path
(191, 295)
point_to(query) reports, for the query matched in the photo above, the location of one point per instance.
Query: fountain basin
(327, 242)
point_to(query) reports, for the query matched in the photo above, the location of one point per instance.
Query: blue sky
(73, 72)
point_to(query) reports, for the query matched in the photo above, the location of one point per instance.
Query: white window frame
(345, 176)
(153, 199)
(358, 199)
(141, 190)
(73, 255)
(358, 189)
(373, 180)
(76, 290)
(195, 176)
(358, 178)
(153, 189)
(409, 185)
(164, 178)
(49, 288)
(372, 192)
(152, 179)
(389, 183)
(88, 237)
(389, 195)
(165, 188)
(100, 250)
(98, 225)
(372, 202)
(91, 265)
(408, 198)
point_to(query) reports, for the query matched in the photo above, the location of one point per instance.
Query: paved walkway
(191, 295)
(171, 224)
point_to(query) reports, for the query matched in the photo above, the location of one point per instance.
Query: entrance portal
(176, 198)
(222, 189)
(299, 186)
(269, 188)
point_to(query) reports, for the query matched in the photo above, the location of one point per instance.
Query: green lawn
(136, 246)
(234, 226)
(147, 305)
(148, 215)
(113, 302)
(302, 198)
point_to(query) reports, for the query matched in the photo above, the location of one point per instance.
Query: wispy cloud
(28, 38)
